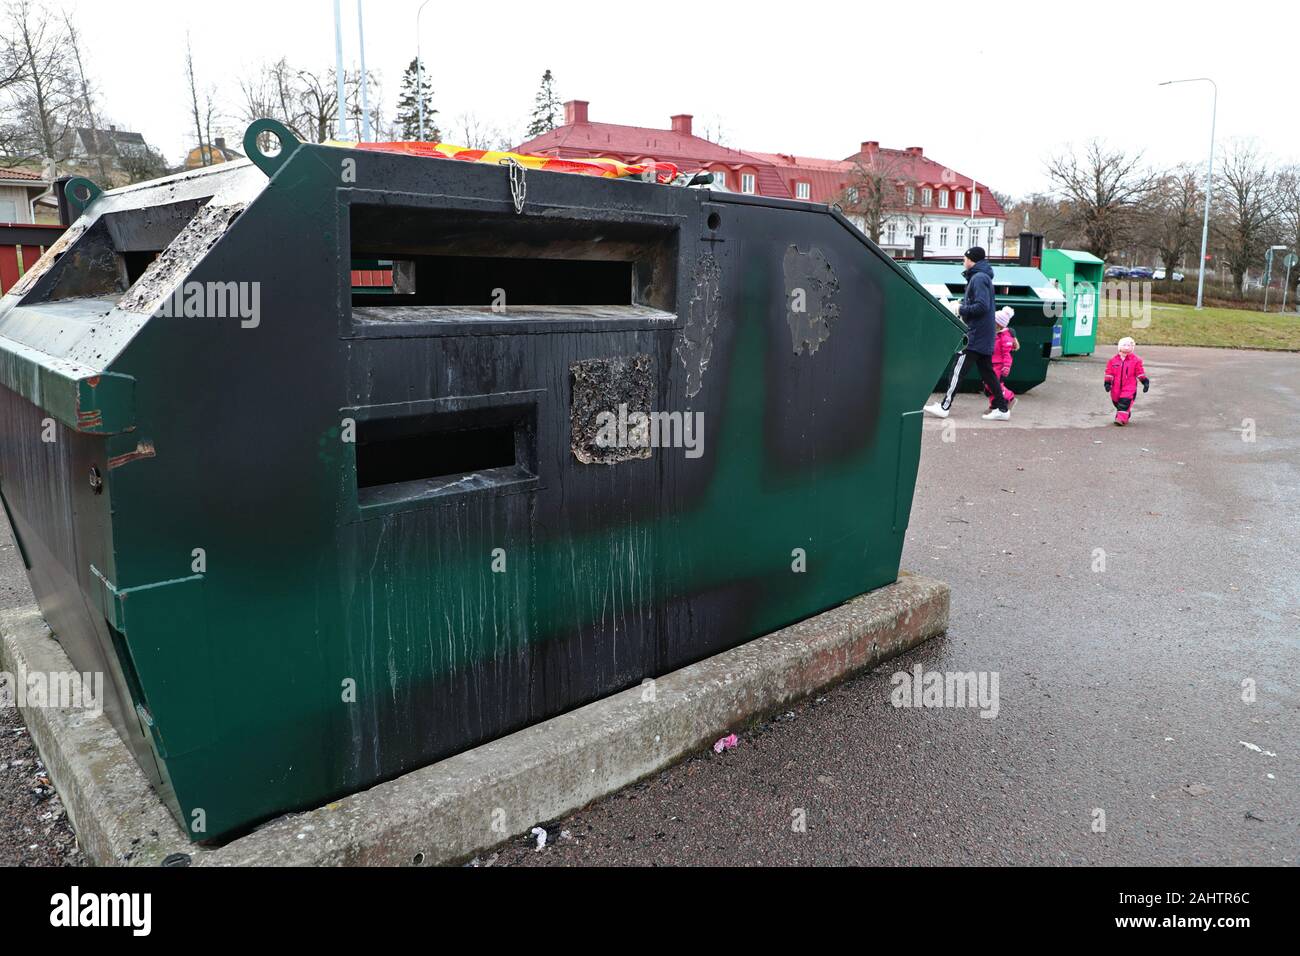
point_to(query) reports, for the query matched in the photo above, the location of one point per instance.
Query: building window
(927, 196)
(803, 190)
(974, 237)
(926, 232)
(911, 195)
(943, 199)
(853, 194)
(747, 182)
(8, 210)
(959, 201)
(720, 176)
(961, 234)
(891, 233)
(943, 236)
(975, 201)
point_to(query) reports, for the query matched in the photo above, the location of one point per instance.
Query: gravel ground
(1120, 690)
(34, 828)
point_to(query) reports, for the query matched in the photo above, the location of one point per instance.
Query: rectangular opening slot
(442, 263)
(411, 457)
(113, 253)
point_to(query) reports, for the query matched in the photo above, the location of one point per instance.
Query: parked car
(1140, 272)
(1160, 274)
(1116, 272)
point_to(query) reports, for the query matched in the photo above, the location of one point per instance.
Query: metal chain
(518, 184)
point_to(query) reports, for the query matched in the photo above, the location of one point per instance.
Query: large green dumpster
(317, 535)
(1079, 276)
(1038, 306)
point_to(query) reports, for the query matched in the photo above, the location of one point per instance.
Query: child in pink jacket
(1004, 343)
(1123, 372)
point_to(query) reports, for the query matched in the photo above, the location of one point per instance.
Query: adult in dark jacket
(978, 311)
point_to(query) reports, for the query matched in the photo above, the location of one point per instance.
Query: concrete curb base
(450, 810)
(118, 818)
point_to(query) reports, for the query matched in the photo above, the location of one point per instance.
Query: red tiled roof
(777, 173)
(632, 143)
(922, 170)
(20, 174)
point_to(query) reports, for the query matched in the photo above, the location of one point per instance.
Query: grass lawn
(1225, 328)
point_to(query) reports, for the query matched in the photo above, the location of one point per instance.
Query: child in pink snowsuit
(1123, 372)
(1004, 343)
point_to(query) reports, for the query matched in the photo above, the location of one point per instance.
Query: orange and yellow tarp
(595, 166)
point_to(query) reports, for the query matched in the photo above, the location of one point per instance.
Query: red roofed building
(930, 199)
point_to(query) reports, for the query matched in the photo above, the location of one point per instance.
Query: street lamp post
(1209, 182)
(1268, 272)
(419, 69)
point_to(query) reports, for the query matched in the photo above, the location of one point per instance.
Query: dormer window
(943, 200)
(927, 196)
(959, 200)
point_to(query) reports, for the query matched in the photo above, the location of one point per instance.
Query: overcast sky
(989, 89)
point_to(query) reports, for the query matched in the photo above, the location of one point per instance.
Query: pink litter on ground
(726, 743)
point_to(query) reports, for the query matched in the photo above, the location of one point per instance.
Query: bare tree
(43, 104)
(1245, 213)
(202, 114)
(1104, 192)
(276, 91)
(475, 133)
(87, 101)
(873, 193)
(1039, 213)
(1288, 208)
(1173, 215)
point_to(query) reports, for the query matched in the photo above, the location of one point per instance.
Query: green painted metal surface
(1080, 276)
(287, 607)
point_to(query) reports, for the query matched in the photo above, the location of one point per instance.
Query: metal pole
(341, 131)
(419, 69)
(1287, 287)
(1209, 183)
(365, 78)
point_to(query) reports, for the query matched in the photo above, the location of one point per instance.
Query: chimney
(575, 111)
(221, 142)
(682, 124)
(915, 151)
(870, 147)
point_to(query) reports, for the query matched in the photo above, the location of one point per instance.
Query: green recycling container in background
(1079, 276)
(1038, 304)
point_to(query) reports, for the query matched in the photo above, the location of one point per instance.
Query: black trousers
(989, 377)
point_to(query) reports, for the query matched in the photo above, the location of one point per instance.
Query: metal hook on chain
(518, 183)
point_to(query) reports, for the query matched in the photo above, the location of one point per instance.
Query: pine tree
(408, 107)
(546, 108)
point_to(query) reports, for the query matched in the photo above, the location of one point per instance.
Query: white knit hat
(1004, 315)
